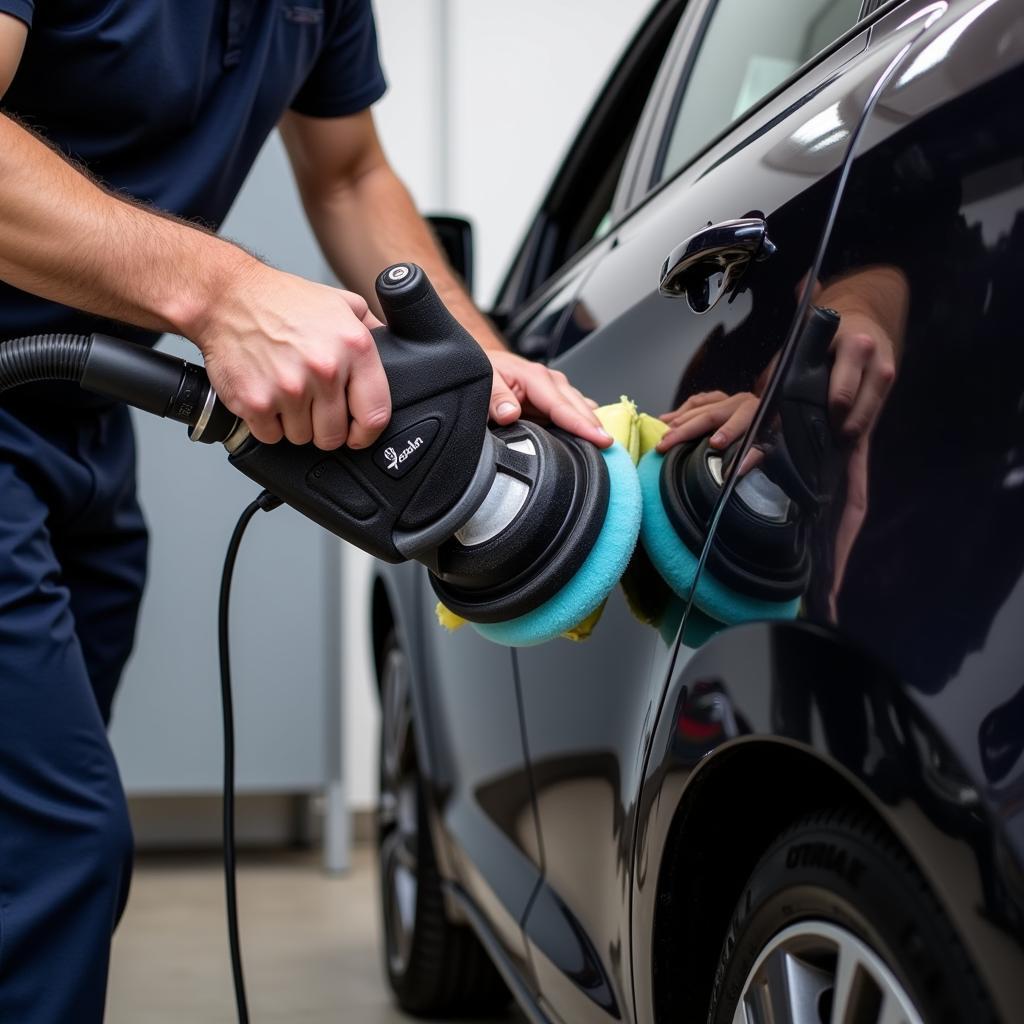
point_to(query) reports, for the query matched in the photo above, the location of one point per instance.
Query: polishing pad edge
(600, 572)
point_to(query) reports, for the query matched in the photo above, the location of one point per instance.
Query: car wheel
(837, 925)
(434, 967)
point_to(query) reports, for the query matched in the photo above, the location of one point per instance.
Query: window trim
(647, 182)
(653, 117)
(653, 113)
(510, 302)
(682, 87)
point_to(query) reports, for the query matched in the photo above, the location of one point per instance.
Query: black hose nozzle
(153, 381)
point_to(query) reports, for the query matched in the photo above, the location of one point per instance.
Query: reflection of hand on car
(872, 305)
(855, 380)
(725, 417)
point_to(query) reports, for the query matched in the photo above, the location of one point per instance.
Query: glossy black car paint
(597, 807)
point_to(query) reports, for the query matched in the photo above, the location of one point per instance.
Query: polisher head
(548, 543)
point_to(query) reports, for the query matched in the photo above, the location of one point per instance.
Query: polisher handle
(418, 483)
(400, 499)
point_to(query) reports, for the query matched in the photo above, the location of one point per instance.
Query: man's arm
(290, 356)
(364, 219)
(13, 34)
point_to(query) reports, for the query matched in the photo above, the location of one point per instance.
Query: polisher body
(511, 523)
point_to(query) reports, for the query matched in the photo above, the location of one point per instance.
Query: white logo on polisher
(395, 459)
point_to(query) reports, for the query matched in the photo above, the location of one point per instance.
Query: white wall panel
(410, 118)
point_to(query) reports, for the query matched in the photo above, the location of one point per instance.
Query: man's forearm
(65, 238)
(371, 222)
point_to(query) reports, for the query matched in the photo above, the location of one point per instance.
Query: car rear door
(775, 159)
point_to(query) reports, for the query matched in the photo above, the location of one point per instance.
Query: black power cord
(265, 502)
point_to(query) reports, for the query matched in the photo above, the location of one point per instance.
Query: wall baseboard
(261, 821)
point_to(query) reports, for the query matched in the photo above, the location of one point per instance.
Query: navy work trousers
(72, 567)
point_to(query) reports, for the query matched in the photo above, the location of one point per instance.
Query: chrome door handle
(712, 261)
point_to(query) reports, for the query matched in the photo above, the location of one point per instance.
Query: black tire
(842, 873)
(434, 967)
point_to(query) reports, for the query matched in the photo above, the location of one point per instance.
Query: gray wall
(167, 724)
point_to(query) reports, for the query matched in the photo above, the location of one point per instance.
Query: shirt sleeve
(21, 9)
(347, 76)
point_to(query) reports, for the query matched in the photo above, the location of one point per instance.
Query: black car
(811, 809)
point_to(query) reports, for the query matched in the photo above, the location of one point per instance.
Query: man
(162, 105)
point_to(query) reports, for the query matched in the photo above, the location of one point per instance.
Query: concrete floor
(309, 942)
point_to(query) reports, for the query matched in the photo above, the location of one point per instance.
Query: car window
(747, 49)
(577, 209)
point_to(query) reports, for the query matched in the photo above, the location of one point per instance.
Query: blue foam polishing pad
(678, 564)
(596, 577)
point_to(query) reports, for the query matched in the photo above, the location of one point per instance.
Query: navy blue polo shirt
(170, 101)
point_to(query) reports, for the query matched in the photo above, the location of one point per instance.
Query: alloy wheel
(815, 972)
(398, 812)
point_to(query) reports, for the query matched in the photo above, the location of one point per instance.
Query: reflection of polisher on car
(758, 567)
(524, 529)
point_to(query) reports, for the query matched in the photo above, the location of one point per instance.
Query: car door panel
(538, 330)
(924, 256)
(598, 697)
(927, 501)
(589, 708)
(482, 790)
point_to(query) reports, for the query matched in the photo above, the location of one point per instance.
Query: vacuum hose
(43, 357)
(153, 381)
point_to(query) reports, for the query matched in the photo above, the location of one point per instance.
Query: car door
(772, 157)
(468, 713)
(914, 500)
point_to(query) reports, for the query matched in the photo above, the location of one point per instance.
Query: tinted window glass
(746, 51)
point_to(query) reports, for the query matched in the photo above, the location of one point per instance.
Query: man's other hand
(522, 387)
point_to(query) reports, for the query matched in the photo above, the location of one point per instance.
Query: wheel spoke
(805, 986)
(399, 880)
(398, 813)
(397, 714)
(398, 851)
(786, 989)
(815, 971)
(405, 854)
(775, 992)
(848, 975)
(403, 719)
(387, 811)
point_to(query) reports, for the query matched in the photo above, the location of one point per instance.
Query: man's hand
(523, 387)
(296, 359)
(365, 219)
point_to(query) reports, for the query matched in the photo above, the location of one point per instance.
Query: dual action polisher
(525, 530)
